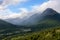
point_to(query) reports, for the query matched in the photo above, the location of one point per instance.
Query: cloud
(5, 12)
(54, 4)
(24, 13)
(5, 3)
(11, 2)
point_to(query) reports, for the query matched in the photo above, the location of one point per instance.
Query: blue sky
(21, 8)
(28, 4)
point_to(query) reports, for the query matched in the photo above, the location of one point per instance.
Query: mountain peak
(49, 11)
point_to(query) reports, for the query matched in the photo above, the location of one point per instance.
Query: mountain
(7, 29)
(48, 19)
(32, 19)
(51, 13)
(35, 23)
(21, 20)
(38, 17)
(4, 24)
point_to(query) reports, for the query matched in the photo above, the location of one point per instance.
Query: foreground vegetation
(48, 34)
(47, 29)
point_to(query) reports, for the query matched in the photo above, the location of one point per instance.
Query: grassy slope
(47, 31)
(8, 29)
(46, 23)
(48, 34)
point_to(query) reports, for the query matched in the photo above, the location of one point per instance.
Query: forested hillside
(47, 34)
(47, 28)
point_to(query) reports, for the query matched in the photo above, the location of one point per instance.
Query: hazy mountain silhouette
(50, 19)
(48, 13)
(35, 18)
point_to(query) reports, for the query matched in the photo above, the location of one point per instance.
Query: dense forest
(48, 29)
(47, 34)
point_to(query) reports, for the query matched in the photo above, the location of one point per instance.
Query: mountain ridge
(47, 21)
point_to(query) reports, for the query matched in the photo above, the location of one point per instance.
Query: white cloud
(13, 1)
(23, 10)
(24, 13)
(54, 4)
(7, 13)
(5, 3)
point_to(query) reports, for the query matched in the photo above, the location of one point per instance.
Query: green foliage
(48, 34)
(47, 29)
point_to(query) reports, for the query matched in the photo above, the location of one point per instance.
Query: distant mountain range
(34, 18)
(48, 19)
